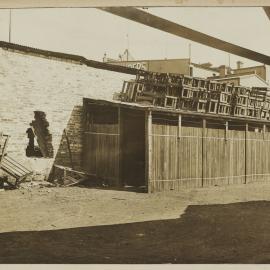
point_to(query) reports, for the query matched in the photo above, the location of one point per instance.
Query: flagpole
(9, 35)
(127, 46)
(189, 51)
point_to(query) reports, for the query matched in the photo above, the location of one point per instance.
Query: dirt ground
(89, 225)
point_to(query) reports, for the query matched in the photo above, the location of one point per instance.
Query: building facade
(247, 80)
(246, 76)
(179, 66)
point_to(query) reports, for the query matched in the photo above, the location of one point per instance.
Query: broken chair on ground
(10, 166)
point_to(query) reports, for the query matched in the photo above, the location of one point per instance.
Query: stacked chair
(262, 104)
(181, 92)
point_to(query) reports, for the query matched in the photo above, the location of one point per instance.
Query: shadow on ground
(97, 184)
(231, 233)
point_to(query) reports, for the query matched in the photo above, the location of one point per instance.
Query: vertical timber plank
(120, 180)
(226, 157)
(246, 147)
(179, 126)
(203, 150)
(148, 151)
(226, 130)
(178, 150)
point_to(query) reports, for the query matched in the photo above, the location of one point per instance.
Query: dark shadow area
(39, 131)
(32, 150)
(133, 148)
(69, 153)
(231, 233)
(99, 184)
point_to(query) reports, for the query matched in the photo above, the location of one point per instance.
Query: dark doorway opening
(133, 148)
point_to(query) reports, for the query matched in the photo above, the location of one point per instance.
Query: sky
(91, 32)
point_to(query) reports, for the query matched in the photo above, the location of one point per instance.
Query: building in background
(180, 66)
(246, 79)
(203, 70)
(246, 76)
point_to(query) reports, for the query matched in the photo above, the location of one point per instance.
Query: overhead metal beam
(148, 19)
(267, 11)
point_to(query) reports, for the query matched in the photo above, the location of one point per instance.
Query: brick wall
(43, 135)
(74, 133)
(29, 84)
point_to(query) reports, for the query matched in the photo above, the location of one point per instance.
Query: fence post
(148, 150)
(246, 146)
(264, 129)
(226, 130)
(120, 180)
(179, 126)
(203, 151)
(227, 156)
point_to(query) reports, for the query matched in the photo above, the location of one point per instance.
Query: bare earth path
(85, 225)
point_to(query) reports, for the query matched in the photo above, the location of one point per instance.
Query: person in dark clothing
(31, 136)
(30, 150)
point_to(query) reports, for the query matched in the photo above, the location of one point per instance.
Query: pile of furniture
(181, 92)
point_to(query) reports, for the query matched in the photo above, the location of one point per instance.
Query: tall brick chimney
(239, 64)
(222, 71)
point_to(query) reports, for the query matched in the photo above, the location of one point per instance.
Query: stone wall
(29, 84)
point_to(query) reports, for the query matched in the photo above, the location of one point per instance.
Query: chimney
(239, 64)
(222, 71)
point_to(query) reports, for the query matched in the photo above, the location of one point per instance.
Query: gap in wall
(39, 136)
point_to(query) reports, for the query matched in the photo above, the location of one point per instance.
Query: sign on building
(138, 65)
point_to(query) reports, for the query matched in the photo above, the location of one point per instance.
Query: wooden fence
(178, 154)
(184, 157)
(101, 147)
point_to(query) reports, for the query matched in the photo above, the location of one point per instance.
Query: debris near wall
(36, 184)
(43, 135)
(66, 176)
(181, 92)
(15, 172)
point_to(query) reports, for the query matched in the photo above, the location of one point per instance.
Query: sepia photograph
(134, 132)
